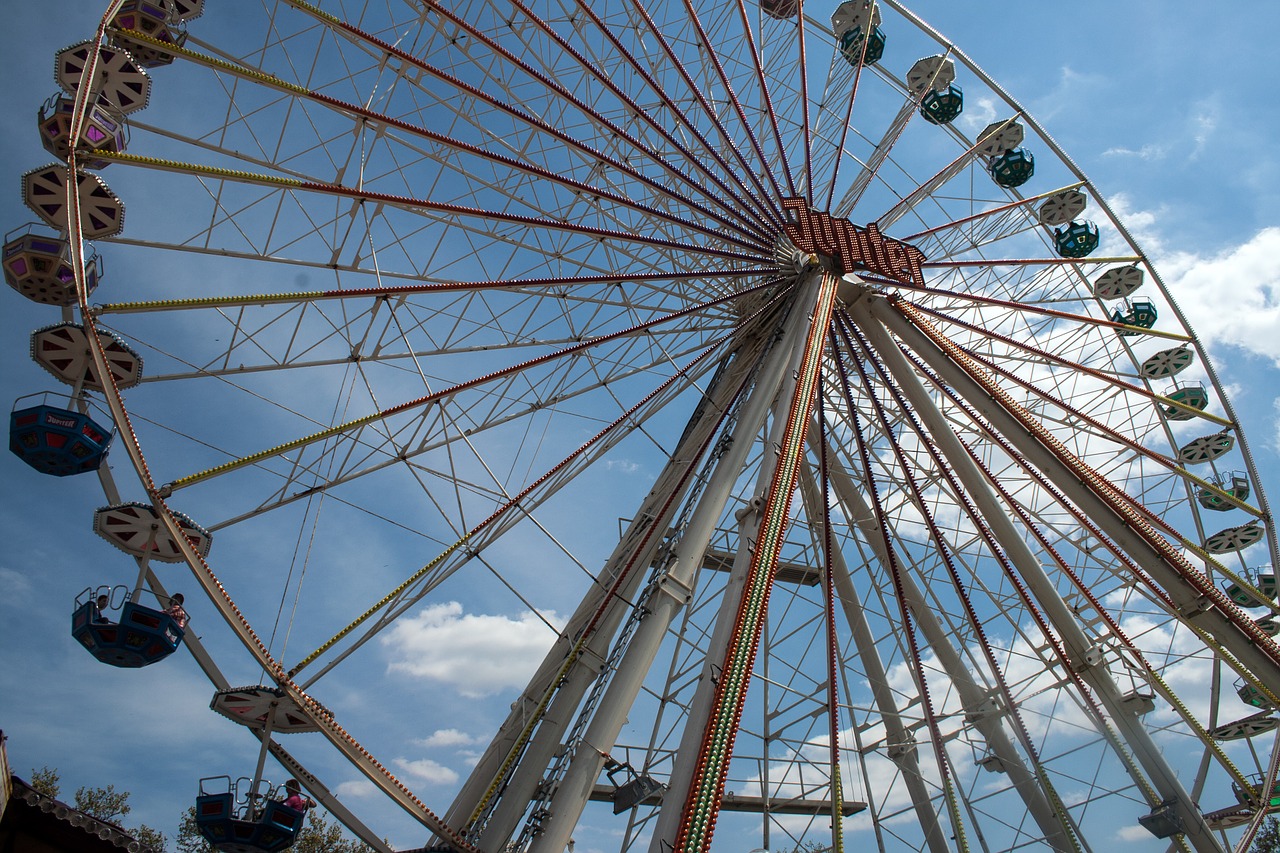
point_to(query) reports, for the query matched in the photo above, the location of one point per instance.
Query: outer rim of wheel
(213, 588)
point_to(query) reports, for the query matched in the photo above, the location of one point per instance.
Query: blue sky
(1165, 106)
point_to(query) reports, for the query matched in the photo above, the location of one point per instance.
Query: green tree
(1268, 838)
(318, 836)
(45, 781)
(153, 838)
(106, 804)
(189, 838)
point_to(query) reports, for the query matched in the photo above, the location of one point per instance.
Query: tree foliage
(46, 781)
(318, 836)
(106, 804)
(1268, 838)
(153, 838)
(109, 805)
(189, 838)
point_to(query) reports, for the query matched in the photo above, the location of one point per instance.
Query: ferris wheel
(844, 462)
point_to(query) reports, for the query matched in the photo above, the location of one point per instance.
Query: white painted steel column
(533, 763)
(671, 595)
(900, 749)
(974, 697)
(797, 327)
(869, 313)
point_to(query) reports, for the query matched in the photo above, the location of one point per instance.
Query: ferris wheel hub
(846, 248)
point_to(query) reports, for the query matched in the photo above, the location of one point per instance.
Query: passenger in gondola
(99, 610)
(176, 611)
(295, 800)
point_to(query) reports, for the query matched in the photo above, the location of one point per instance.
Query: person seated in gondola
(295, 800)
(176, 612)
(99, 610)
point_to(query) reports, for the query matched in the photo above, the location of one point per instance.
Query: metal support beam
(666, 601)
(900, 748)
(873, 314)
(749, 519)
(974, 697)
(636, 548)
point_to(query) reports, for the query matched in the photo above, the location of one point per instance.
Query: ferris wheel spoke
(1180, 580)
(472, 542)
(600, 75)
(867, 174)
(1032, 308)
(950, 239)
(439, 208)
(383, 452)
(627, 146)
(756, 76)
(1031, 783)
(913, 95)
(1031, 262)
(1100, 430)
(903, 756)
(1078, 518)
(807, 132)
(326, 341)
(563, 99)
(563, 288)
(927, 187)
(483, 534)
(1075, 645)
(756, 72)
(518, 194)
(1055, 819)
(906, 597)
(1043, 356)
(426, 401)
(1128, 646)
(706, 51)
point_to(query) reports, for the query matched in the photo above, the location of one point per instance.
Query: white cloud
(432, 772)
(1133, 833)
(448, 738)
(977, 115)
(1146, 152)
(1072, 87)
(1234, 296)
(15, 585)
(477, 654)
(1231, 298)
(356, 789)
(1204, 123)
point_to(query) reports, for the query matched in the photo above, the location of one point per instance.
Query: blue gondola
(1076, 239)
(942, 107)
(57, 441)
(143, 635)
(1013, 168)
(1141, 313)
(244, 824)
(851, 46)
